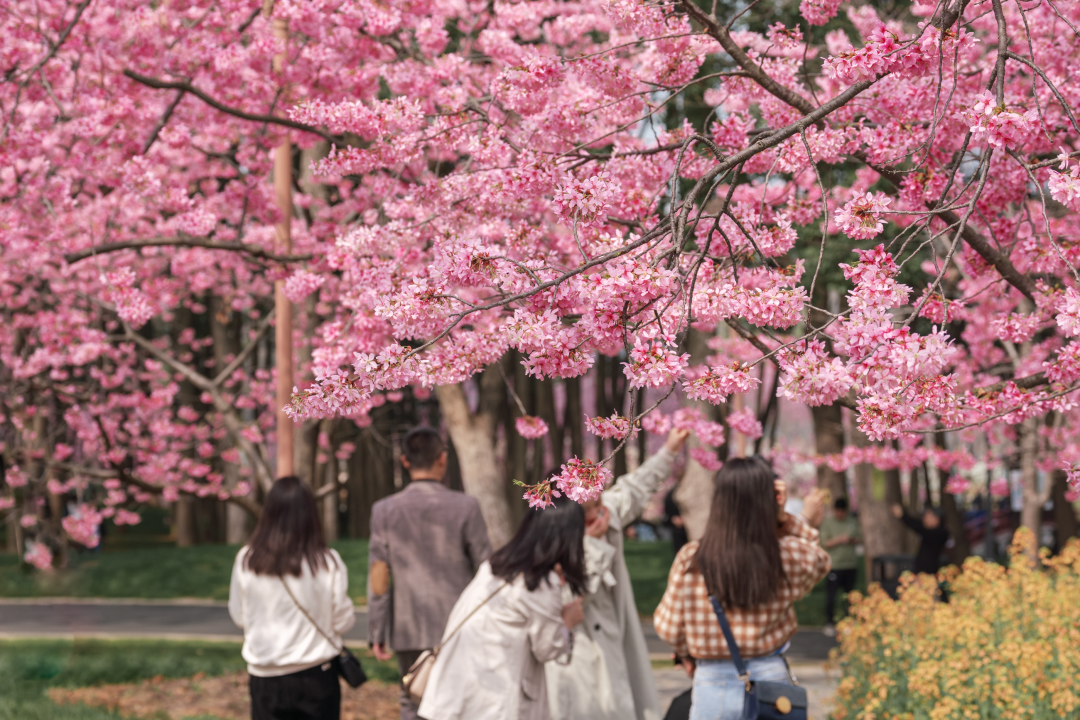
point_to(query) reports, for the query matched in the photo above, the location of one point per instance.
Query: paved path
(210, 620)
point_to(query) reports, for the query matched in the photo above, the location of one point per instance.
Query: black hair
(288, 533)
(549, 537)
(739, 554)
(422, 447)
(840, 503)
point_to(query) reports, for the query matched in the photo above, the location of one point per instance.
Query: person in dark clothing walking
(674, 522)
(934, 537)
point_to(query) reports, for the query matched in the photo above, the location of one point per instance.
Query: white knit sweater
(278, 639)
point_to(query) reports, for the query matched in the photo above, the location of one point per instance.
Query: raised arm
(629, 495)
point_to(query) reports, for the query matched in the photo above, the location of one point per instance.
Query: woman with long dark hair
(756, 560)
(289, 594)
(509, 621)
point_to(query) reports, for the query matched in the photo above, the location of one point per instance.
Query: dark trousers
(405, 659)
(837, 579)
(312, 694)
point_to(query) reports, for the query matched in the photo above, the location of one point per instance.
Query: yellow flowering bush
(1006, 645)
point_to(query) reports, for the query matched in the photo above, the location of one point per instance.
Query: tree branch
(264, 326)
(162, 122)
(232, 422)
(253, 250)
(236, 112)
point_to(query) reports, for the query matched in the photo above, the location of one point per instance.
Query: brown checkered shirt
(685, 618)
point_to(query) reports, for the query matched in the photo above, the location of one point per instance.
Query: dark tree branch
(253, 250)
(235, 112)
(162, 122)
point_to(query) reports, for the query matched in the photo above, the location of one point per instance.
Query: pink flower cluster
(654, 365)
(38, 554)
(746, 422)
(717, 383)
(819, 12)
(582, 480)
(531, 427)
(301, 284)
(860, 218)
(1068, 313)
(810, 375)
(586, 200)
(83, 525)
(615, 426)
(1003, 126)
(706, 458)
(957, 485)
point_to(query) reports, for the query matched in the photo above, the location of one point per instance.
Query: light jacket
(278, 639)
(610, 675)
(493, 667)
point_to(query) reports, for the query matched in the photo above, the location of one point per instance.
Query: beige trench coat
(610, 676)
(493, 667)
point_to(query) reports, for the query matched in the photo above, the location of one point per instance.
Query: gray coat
(433, 539)
(610, 674)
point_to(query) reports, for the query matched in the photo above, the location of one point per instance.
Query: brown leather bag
(416, 680)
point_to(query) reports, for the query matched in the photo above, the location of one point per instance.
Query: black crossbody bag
(765, 700)
(348, 665)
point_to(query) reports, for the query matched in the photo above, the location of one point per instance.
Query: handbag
(764, 700)
(348, 665)
(416, 679)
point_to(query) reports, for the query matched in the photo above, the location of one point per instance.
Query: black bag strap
(733, 647)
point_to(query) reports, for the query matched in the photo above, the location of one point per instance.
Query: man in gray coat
(610, 675)
(426, 543)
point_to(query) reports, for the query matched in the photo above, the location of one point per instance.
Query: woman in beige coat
(509, 621)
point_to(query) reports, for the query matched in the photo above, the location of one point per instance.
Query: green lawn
(156, 572)
(166, 571)
(28, 668)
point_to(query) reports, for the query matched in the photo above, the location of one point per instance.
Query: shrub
(1006, 645)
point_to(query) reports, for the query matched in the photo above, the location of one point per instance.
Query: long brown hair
(288, 533)
(739, 554)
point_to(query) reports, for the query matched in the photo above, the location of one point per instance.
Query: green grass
(648, 563)
(159, 572)
(203, 571)
(28, 668)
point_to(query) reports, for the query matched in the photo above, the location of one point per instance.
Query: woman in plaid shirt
(757, 560)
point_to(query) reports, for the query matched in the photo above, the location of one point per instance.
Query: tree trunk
(694, 492)
(1031, 513)
(574, 422)
(954, 520)
(829, 439)
(473, 435)
(225, 329)
(882, 533)
(184, 521)
(1065, 525)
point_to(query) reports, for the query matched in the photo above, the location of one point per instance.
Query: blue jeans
(718, 692)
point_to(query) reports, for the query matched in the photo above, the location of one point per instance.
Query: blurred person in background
(610, 674)
(289, 594)
(756, 559)
(933, 537)
(840, 533)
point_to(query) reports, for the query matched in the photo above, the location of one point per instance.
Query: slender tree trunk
(1065, 525)
(1031, 513)
(473, 435)
(694, 492)
(828, 440)
(574, 422)
(184, 521)
(882, 533)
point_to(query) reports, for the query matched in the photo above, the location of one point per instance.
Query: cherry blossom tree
(477, 181)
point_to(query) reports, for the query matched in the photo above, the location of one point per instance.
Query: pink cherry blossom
(615, 426)
(531, 427)
(38, 554)
(746, 422)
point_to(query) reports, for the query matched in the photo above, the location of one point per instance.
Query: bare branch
(253, 250)
(236, 112)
